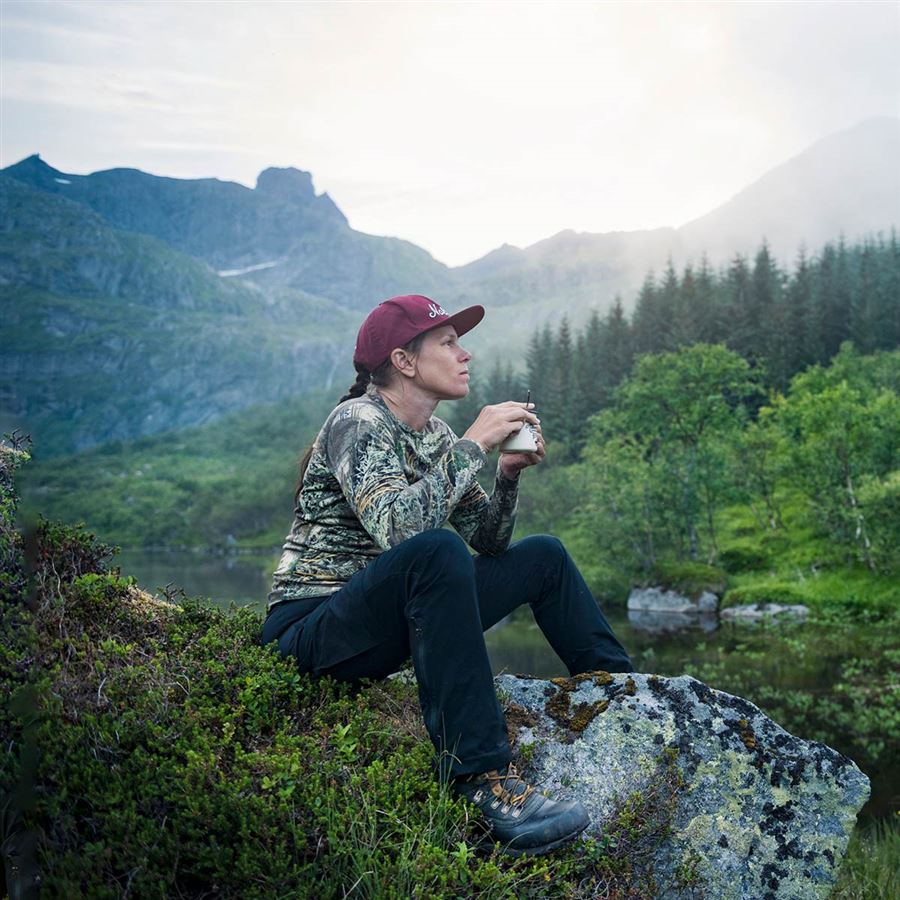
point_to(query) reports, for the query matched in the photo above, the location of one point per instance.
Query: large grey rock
(758, 612)
(656, 599)
(739, 807)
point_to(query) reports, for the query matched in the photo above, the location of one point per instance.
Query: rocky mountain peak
(33, 170)
(291, 181)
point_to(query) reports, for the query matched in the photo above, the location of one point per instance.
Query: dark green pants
(430, 599)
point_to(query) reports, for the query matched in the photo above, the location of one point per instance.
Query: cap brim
(465, 320)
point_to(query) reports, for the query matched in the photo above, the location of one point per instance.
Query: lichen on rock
(757, 813)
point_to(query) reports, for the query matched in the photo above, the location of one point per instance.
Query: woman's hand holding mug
(498, 422)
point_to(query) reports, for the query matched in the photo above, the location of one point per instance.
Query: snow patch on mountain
(230, 273)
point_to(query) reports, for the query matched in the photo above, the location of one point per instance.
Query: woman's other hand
(513, 463)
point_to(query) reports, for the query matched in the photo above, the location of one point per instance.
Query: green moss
(767, 592)
(743, 555)
(576, 719)
(689, 578)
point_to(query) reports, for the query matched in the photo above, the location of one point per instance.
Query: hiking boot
(525, 822)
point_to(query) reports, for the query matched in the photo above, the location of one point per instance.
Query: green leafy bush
(743, 556)
(689, 578)
(767, 592)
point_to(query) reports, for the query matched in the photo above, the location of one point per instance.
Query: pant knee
(545, 549)
(441, 543)
(441, 551)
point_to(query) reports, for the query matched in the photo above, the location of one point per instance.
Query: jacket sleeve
(486, 523)
(365, 460)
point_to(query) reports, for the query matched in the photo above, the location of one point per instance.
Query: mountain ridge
(283, 264)
(231, 227)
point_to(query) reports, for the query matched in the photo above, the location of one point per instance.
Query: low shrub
(765, 592)
(743, 556)
(689, 578)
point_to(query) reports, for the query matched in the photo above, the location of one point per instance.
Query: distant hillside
(108, 334)
(845, 184)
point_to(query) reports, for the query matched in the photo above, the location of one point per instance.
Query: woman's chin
(456, 393)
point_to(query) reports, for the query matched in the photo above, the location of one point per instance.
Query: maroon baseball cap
(397, 321)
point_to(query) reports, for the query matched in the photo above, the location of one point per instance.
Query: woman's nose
(465, 355)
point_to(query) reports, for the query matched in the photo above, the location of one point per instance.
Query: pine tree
(562, 390)
(765, 311)
(863, 311)
(737, 306)
(539, 359)
(707, 312)
(617, 350)
(804, 319)
(683, 326)
(645, 320)
(581, 386)
(834, 292)
(667, 309)
(884, 300)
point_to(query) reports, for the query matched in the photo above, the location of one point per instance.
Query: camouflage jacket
(372, 482)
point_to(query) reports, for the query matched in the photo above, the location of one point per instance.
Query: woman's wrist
(485, 450)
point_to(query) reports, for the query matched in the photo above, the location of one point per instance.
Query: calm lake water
(768, 665)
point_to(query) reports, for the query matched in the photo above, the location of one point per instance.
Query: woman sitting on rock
(369, 576)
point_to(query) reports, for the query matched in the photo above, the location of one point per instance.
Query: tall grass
(871, 868)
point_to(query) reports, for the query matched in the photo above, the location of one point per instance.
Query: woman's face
(442, 365)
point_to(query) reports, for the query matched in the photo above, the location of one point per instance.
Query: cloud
(458, 126)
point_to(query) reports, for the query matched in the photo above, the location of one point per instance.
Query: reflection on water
(244, 580)
(658, 622)
(515, 644)
(652, 639)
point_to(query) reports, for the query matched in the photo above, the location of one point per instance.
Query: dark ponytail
(380, 377)
(358, 388)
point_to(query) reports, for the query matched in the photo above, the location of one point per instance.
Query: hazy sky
(459, 126)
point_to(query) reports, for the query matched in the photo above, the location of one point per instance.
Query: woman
(369, 577)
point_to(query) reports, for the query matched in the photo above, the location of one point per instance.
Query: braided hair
(358, 388)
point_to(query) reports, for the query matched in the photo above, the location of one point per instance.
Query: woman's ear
(403, 362)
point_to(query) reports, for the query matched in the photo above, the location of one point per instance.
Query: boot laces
(503, 785)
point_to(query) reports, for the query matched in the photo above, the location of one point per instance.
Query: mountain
(845, 184)
(134, 303)
(108, 334)
(281, 232)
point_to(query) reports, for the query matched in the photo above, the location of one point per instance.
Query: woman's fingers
(498, 421)
(519, 412)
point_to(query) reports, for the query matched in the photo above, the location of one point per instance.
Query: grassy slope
(165, 750)
(193, 487)
(796, 564)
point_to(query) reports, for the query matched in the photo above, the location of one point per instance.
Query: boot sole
(487, 845)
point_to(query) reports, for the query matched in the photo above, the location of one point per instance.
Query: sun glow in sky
(459, 126)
